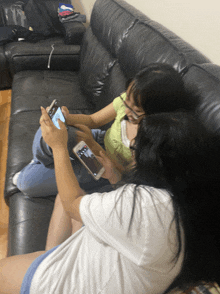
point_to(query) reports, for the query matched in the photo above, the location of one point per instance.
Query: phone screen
(58, 114)
(89, 159)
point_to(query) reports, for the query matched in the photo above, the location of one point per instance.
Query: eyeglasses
(134, 114)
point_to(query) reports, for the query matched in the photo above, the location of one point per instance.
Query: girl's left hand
(54, 137)
(84, 134)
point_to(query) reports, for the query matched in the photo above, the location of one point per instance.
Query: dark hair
(174, 151)
(160, 88)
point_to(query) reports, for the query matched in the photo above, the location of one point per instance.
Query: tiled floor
(5, 108)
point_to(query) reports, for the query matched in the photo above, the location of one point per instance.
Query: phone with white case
(88, 159)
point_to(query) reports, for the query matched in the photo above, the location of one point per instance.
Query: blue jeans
(37, 179)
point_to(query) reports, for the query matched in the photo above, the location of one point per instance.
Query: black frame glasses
(134, 114)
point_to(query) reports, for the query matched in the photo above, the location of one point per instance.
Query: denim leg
(37, 179)
(41, 151)
(98, 136)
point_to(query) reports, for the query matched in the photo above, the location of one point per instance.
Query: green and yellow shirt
(113, 137)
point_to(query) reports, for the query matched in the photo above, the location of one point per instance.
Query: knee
(23, 186)
(27, 187)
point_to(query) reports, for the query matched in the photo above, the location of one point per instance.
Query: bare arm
(67, 184)
(95, 120)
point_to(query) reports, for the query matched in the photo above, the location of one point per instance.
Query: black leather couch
(119, 42)
(34, 51)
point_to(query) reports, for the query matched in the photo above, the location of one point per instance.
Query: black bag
(7, 34)
(42, 16)
(13, 14)
(13, 33)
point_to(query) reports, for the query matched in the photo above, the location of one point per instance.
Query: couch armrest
(36, 56)
(28, 223)
(73, 32)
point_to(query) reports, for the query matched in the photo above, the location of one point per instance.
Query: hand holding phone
(88, 159)
(54, 137)
(55, 112)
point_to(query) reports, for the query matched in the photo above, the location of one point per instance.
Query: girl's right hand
(66, 113)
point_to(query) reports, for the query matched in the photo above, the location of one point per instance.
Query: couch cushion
(206, 78)
(32, 89)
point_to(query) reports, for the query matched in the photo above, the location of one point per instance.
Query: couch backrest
(206, 78)
(119, 42)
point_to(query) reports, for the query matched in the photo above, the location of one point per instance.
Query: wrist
(115, 176)
(60, 149)
(68, 120)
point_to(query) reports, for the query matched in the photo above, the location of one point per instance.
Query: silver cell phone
(55, 112)
(86, 156)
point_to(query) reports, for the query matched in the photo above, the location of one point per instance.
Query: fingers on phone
(61, 124)
(82, 127)
(64, 108)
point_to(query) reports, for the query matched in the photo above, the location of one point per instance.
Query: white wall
(196, 21)
(84, 7)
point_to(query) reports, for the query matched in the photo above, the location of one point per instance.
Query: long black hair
(174, 151)
(160, 88)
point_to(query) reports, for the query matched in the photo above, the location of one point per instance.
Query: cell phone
(55, 112)
(86, 156)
